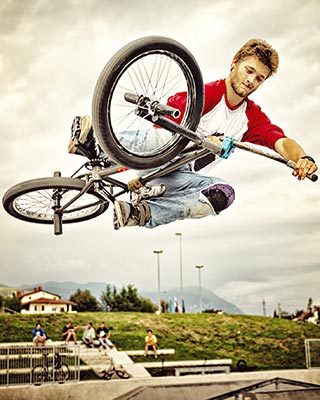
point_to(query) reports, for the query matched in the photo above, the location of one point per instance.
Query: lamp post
(179, 234)
(158, 252)
(199, 267)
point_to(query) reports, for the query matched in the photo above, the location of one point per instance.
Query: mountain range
(210, 301)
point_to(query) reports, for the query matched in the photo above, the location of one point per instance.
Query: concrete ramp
(135, 370)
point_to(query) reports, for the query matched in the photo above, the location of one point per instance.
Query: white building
(40, 301)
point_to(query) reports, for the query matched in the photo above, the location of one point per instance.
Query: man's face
(247, 75)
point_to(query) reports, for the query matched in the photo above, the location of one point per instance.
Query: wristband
(308, 158)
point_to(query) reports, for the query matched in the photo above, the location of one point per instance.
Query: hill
(264, 342)
(209, 299)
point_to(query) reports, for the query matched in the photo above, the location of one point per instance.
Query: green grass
(264, 342)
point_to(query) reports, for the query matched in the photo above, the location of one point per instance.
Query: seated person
(39, 336)
(150, 343)
(69, 333)
(103, 335)
(89, 335)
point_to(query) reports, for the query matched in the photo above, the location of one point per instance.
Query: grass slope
(264, 342)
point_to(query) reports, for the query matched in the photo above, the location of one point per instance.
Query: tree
(127, 299)
(12, 302)
(309, 305)
(85, 300)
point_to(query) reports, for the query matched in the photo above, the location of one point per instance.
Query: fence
(39, 365)
(312, 348)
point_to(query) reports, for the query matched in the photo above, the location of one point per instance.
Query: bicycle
(128, 108)
(114, 370)
(50, 370)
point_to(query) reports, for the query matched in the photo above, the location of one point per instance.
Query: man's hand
(303, 168)
(291, 150)
(216, 138)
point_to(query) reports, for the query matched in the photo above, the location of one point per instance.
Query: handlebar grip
(163, 109)
(312, 177)
(131, 98)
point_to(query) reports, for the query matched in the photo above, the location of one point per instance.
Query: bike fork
(57, 214)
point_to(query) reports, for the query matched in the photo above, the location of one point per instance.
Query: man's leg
(187, 195)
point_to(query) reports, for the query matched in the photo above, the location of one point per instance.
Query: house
(41, 301)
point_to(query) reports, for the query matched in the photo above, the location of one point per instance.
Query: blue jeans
(182, 198)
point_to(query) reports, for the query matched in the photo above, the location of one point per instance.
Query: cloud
(264, 245)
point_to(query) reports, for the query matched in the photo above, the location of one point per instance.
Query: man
(89, 335)
(39, 336)
(103, 335)
(227, 111)
(69, 333)
(150, 343)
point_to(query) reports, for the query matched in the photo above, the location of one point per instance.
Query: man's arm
(291, 150)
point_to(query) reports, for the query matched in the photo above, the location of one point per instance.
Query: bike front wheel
(35, 200)
(156, 68)
(123, 374)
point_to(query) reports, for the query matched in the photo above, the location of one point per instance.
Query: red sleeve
(260, 129)
(213, 92)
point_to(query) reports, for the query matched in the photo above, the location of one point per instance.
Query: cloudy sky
(266, 246)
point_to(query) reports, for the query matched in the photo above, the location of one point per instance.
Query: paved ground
(196, 387)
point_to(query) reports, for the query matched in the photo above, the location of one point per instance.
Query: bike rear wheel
(156, 67)
(107, 374)
(34, 200)
(39, 374)
(62, 373)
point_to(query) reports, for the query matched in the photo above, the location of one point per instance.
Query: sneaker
(126, 214)
(145, 192)
(82, 140)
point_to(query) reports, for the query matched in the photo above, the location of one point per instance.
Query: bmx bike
(114, 370)
(136, 128)
(50, 370)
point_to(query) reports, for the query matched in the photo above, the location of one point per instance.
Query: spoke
(38, 204)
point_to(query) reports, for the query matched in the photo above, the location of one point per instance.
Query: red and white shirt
(245, 122)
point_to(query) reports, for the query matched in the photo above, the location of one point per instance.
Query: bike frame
(100, 178)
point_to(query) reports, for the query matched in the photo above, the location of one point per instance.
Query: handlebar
(273, 156)
(153, 107)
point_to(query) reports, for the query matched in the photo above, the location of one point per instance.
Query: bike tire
(141, 55)
(32, 201)
(123, 374)
(39, 374)
(62, 373)
(107, 375)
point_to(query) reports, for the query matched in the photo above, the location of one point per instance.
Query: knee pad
(220, 196)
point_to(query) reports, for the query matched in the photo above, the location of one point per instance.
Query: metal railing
(20, 365)
(312, 349)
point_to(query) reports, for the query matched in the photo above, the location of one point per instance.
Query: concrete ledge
(202, 369)
(150, 353)
(188, 363)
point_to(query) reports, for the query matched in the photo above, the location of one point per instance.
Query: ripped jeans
(183, 197)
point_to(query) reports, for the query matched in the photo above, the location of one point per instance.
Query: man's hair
(263, 50)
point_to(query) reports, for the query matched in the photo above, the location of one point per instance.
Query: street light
(181, 281)
(199, 267)
(158, 252)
